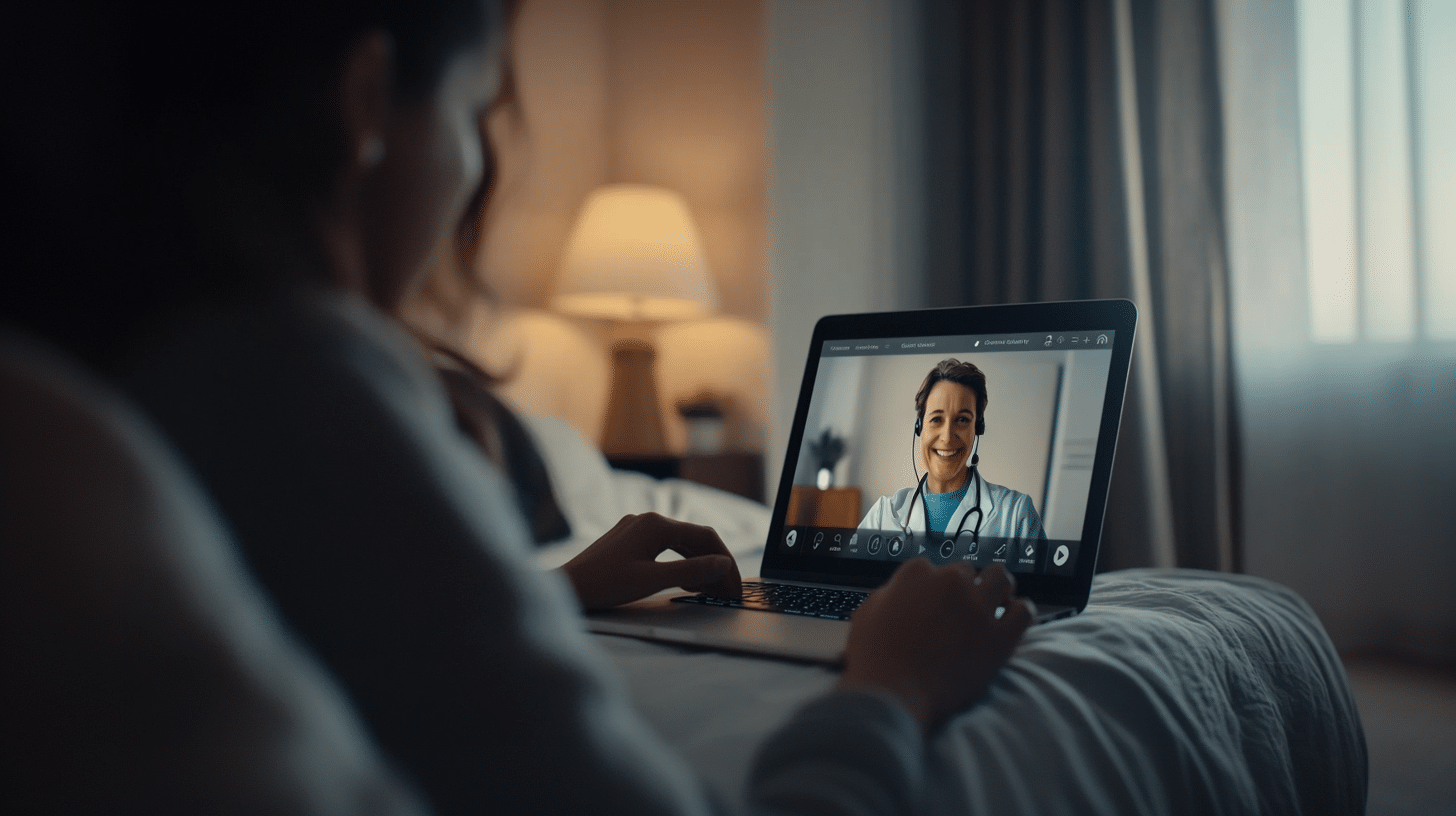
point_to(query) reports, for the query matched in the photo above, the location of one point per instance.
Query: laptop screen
(977, 447)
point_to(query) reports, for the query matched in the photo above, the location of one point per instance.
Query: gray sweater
(391, 546)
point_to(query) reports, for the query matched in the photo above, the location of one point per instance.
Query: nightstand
(740, 473)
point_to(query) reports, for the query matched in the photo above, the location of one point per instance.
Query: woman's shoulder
(885, 511)
(316, 348)
(891, 503)
(1003, 494)
(899, 497)
(894, 503)
(297, 396)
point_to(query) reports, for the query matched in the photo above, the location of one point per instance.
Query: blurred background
(1271, 181)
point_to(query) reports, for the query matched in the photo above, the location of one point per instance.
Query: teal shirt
(939, 507)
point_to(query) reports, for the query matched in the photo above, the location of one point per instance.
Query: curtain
(1348, 466)
(1072, 151)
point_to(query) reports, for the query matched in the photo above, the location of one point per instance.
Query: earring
(371, 151)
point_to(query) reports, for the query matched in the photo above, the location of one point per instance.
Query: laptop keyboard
(814, 602)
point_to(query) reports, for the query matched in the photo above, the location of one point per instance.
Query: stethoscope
(915, 499)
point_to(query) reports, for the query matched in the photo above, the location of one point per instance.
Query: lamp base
(634, 415)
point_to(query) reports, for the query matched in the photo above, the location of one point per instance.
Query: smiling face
(947, 435)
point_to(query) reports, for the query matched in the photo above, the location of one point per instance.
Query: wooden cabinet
(812, 507)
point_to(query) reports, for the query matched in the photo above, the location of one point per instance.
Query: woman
(297, 170)
(952, 499)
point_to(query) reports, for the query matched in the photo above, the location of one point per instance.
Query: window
(1378, 143)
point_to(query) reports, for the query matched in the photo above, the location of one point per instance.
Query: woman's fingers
(1018, 615)
(653, 534)
(707, 566)
(995, 592)
(714, 574)
(931, 636)
(995, 584)
(689, 540)
(622, 565)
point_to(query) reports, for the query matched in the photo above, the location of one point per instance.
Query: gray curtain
(1073, 151)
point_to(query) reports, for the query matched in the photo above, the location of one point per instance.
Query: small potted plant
(827, 450)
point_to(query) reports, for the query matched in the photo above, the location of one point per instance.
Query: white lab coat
(1007, 513)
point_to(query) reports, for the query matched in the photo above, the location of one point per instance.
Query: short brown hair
(958, 372)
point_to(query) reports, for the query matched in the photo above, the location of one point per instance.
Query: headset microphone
(914, 463)
(916, 497)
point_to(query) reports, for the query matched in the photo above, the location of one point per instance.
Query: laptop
(875, 477)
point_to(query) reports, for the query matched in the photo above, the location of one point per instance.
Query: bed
(1177, 691)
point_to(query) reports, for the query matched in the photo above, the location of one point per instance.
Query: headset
(920, 490)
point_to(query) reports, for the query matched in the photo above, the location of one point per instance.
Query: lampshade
(634, 254)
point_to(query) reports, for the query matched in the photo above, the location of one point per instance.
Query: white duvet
(594, 497)
(1176, 692)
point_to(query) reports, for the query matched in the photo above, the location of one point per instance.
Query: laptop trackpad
(793, 637)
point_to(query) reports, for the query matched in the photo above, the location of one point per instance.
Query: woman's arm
(394, 550)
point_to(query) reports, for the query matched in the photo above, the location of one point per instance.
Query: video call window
(865, 483)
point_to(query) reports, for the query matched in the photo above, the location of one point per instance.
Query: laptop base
(787, 637)
(747, 631)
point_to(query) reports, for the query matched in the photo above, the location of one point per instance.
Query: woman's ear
(365, 94)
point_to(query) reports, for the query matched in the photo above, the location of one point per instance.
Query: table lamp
(634, 258)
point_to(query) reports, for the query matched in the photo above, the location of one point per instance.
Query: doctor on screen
(952, 498)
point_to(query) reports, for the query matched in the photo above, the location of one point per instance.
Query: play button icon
(1060, 556)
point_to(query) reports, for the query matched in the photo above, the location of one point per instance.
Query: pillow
(595, 497)
(583, 480)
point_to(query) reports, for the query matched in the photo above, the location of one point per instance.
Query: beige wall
(686, 81)
(666, 92)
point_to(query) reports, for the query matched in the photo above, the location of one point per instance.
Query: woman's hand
(622, 565)
(931, 636)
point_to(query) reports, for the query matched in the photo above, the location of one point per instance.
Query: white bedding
(1176, 692)
(594, 498)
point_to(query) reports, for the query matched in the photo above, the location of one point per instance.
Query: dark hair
(250, 85)
(952, 370)
(256, 69)
(175, 128)
(250, 51)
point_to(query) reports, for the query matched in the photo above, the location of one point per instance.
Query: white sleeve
(1028, 521)
(875, 518)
